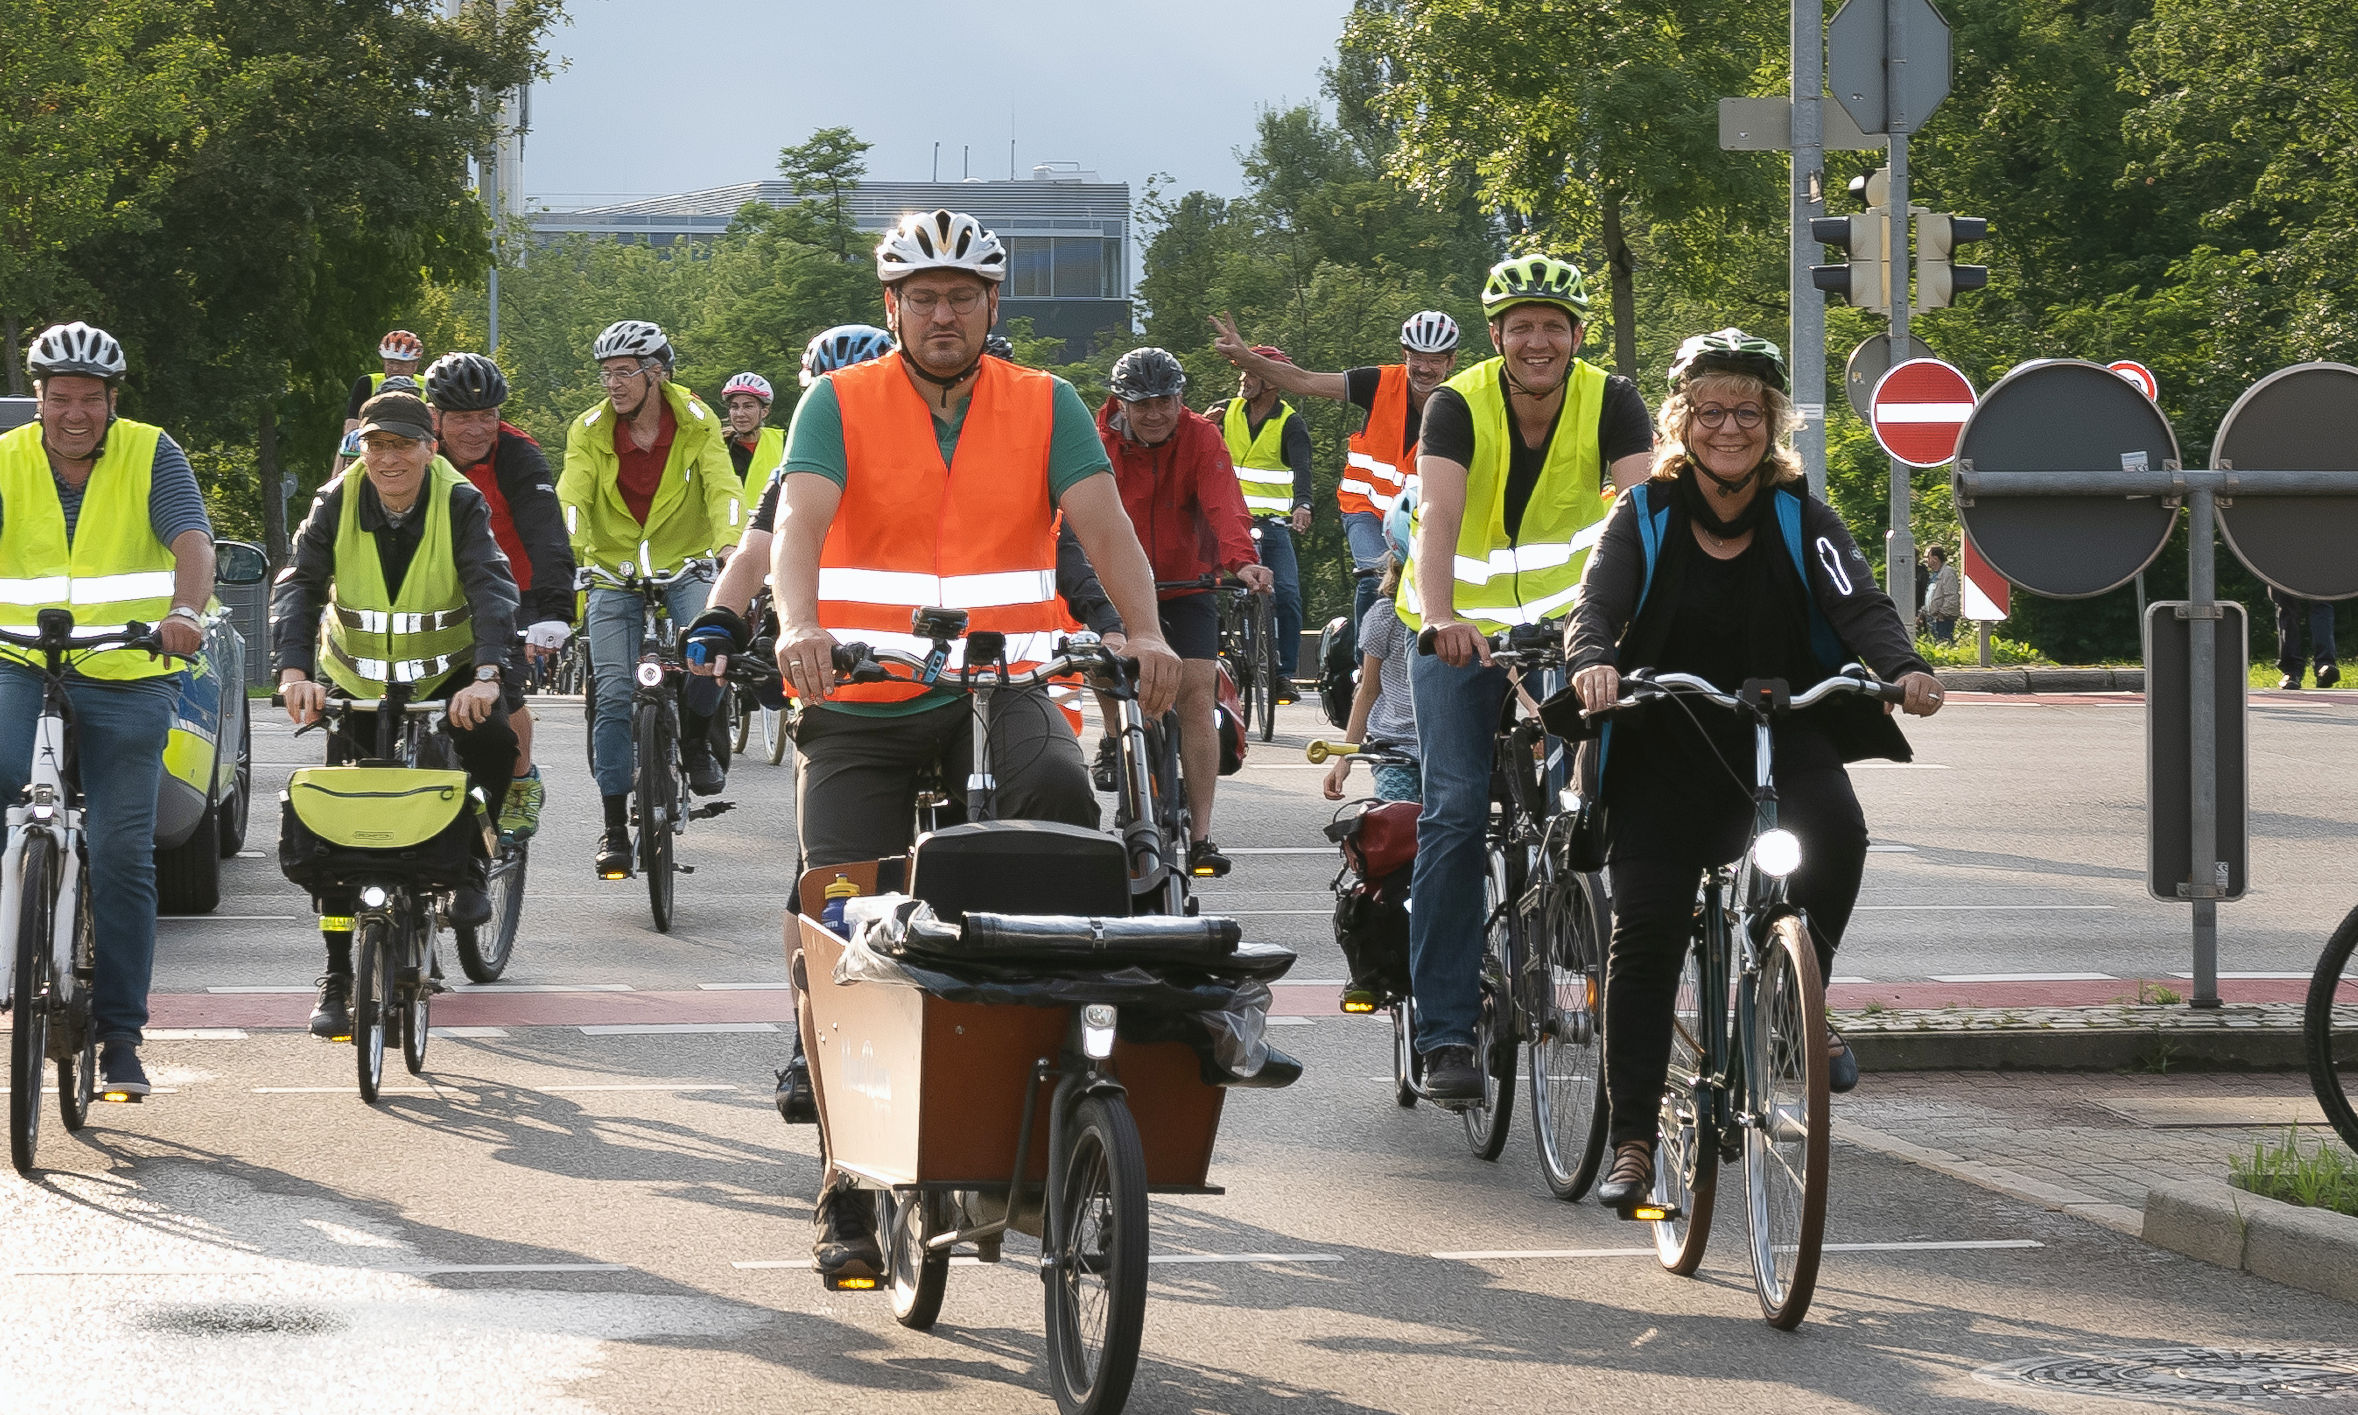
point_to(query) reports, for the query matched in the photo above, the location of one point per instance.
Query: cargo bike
(1015, 1036)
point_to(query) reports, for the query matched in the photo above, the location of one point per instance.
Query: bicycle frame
(48, 808)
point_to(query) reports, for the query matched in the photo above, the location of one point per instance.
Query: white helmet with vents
(1429, 332)
(630, 339)
(940, 240)
(75, 348)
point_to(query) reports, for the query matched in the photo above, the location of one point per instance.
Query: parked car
(202, 805)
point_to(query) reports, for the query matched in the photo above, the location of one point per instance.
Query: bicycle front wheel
(1097, 1240)
(1488, 1119)
(658, 802)
(741, 714)
(415, 975)
(372, 1003)
(484, 952)
(773, 734)
(1785, 1145)
(1686, 1151)
(1264, 647)
(28, 1043)
(1568, 1047)
(918, 1275)
(77, 1059)
(2329, 1028)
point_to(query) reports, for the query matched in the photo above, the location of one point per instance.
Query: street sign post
(2169, 774)
(2138, 375)
(1868, 363)
(1918, 409)
(2302, 417)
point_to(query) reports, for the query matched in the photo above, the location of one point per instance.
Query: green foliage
(2320, 1175)
(823, 171)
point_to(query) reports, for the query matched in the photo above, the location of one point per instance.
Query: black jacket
(522, 475)
(302, 590)
(1076, 582)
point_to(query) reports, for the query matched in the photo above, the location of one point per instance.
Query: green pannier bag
(342, 826)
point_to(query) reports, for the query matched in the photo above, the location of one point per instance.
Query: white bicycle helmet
(630, 339)
(752, 383)
(75, 348)
(942, 240)
(401, 344)
(1429, 332)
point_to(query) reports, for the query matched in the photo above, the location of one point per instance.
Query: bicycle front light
(651, 674)
(1097, 1030)
(1777, 852)
(372, 898)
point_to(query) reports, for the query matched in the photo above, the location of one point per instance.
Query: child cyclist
(1382, 713)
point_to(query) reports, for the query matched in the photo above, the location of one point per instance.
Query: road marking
(2023, 977)
(343, 1091)
(1281, 766)
(1272, 913)
(642, 1029)
(1838, 978)
(1316, 982)
(460, 1034)
(227, 919)
(1194, 1258)
(303, 991)
(1278, 850)
(2258, 977)
(409, 1270)
(473, 1083)
(1898, 766)
(676, 1086)
(490, 988)
(1993, 909)
(1952, 1246)
(1288, 1021)
(197, 1034)
(1889, 849)
(745, 987)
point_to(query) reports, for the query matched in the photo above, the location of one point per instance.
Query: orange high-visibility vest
(978, 534)
(1376, 471)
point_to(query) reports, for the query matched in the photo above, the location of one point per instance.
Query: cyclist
(1382, 454)
(397, 577)
(400, 352)
(876, 524)
(755, 448)
(1512, 477)
(1752, 577)
(1383, 709)
(646, 468)
(1271, 449)
(466, 391)
(102, 515)
(1183, 496)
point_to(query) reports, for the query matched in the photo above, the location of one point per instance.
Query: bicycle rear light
(1777, 852)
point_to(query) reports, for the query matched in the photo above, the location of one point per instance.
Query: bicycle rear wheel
(484, 952)
(1407, 1071)
(417, 995)
(917, 1275)
(741, 714)
(77, 1059)
(1785, 1146)
(1568, 1047)
(1686, 1153)
(658, 802)
(372, 1007)
(1488, 1120)
(1263, 642)
(2329, 1028)
(28, 1043)
(1097, 1251)
(773, 734)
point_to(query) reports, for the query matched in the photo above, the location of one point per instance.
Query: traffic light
(1938, 277)
(1865, 281)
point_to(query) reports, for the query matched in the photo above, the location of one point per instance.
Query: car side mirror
(237, 563)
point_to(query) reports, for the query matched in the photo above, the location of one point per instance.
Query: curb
(2042, 680)
(2240, 1036)
(2315, 1250)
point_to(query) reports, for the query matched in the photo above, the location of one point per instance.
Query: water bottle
(832, 916)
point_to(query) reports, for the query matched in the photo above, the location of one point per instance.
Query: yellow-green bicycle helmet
(1535, 280)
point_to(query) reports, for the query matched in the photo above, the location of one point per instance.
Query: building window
(1029, 264)
(1080, 267)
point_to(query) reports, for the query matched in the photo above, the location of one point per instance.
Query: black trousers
(1656, 869)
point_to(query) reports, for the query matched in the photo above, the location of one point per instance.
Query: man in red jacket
(1181, 492)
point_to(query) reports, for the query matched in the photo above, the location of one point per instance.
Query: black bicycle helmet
(1147, 373)
(999, 346)
(1729, 350)
(465, 383)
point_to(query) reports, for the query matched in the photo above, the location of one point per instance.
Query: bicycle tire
(1568, 1109)
(2329, 1029)
(372, 1012)
(773, 734)
(77, 1062)
(589, 721)
(484, 952)
(1407, 1071)
(1172, 814)
(1488, 1120)
(1265, 665)
(741, 716)
(417, 1003)
(1785, 1146)
(1097, 1286)
(1686, 1154)
(916, 1275)
(655, 795)
(28, 1042)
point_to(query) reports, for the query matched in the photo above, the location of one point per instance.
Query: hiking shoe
(1106, 772)
(1205, 861)
(519, 814)
(843, 1239)
(1450, 1074)
(2288, 681)
(796, 1105)
(331, 1020)
(120, 1076)
(2329, 675)
(614, 853)
(705, 776)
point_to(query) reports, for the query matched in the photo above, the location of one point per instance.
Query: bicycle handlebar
(134, 635)
(637, 579)
(1540, 644)
(1375, 753)
(1760, 695)
(1082, 653)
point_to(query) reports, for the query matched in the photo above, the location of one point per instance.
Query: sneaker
(470, 907)
(1287, 695)
(614, 853)
(120, 1076)
(843, 1240)
(1106, 772)
(705, 776)
(1842, 1065)
(1630, 1180)
(331, 1021)
(2329, 675)
(2288, 681)
(1450, 1074)
(519, 814)
(796, 1105)
(1205, 861)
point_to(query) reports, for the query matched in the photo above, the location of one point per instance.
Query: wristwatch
(487, 673)
(182, 611)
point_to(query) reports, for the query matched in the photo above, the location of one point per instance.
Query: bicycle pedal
(847, 1282)
(1652, 1213)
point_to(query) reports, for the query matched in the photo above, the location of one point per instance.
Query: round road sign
(1918, 410)
(2065, 415)
(2303, 418)
(2139, 375)
(1868, 363)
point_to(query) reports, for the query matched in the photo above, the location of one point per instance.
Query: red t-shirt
(641, 473)
(485, 476)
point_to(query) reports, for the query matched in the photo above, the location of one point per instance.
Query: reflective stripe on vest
(1535, 576)
(1377, 468)
(369, 636)
(911, 533)
(1258, 456)
(114, 573)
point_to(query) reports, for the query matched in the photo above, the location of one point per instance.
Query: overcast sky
(681, 94)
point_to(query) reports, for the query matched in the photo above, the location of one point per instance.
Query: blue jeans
(1365, 532)
(1277, 552)
(614, 656)
(120, 730)
(1456, 720)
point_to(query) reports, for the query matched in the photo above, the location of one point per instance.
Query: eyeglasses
(1713, 415)
(614, 379)
(925, 302)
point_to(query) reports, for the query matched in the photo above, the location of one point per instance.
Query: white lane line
(804, 1264)
(645, 1029)
(1288, 1021)
(1196, 1258)
(1838, 978)
(1261, 914)
(303, 991)
(1987, 908)
(1952, 1246)
(460, 1034)
(411, 1270)
(1334, 982)
(680, 1086)
(1899, 766)
(2257, 977)
(2023, 978)
(1958, 1245)
(745, 987)
(343, 1091)
(196, 1034)
(1889, 849)
(1279, 850)
(226, 919)
(453, 1087)
(541, 987)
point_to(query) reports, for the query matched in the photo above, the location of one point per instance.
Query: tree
(828, 166)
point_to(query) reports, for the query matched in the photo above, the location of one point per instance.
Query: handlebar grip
(844, 658)
(1426, 638)
(1891, 692)
(1320, 749)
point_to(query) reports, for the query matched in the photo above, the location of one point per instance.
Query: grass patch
(1966, 652)
(2268, 675)
(2152, 995)
(2319, 1175)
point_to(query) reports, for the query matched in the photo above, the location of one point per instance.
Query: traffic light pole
(1807, 348)
(1899, 547)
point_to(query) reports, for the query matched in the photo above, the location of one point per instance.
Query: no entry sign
(2139, 375)
(1918, 410)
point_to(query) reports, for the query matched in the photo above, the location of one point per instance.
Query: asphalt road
(563, 1220)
